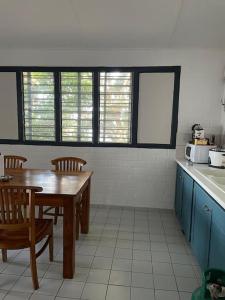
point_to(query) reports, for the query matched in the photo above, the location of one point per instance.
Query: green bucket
(211, 275)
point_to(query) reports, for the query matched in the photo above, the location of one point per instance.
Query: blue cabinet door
(201, 225)
(186, 212)
(178, 194)
(217, 242)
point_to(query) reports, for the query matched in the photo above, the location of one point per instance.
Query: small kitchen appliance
(198, 135)
(197, 132)
(198, 153)
(217, 158)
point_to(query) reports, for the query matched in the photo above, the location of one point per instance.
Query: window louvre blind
(38, 101)
(77, 106)
(115, 107)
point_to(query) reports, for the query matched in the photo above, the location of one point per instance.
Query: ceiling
(105, 24)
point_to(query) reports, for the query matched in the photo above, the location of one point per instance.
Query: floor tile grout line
(131, 282)
(175, 277)
(112, 260)
(173, 269)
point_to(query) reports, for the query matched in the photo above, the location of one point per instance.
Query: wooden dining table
(60, 189)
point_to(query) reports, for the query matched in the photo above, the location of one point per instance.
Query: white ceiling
(97, 24)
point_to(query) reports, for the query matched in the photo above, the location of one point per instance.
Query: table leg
(69, 230)
(85, 208)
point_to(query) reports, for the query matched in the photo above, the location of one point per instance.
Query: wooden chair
(18, 227)
(66, 164)
(14, 162)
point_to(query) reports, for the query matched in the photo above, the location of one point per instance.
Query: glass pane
(115, 107)
(77, 106)
(39, 107)
(152, 98)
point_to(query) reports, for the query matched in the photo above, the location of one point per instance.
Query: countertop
(215, 192)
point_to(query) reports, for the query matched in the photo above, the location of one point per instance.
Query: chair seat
(8, 238)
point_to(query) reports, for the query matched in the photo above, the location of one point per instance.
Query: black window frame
(96, 78)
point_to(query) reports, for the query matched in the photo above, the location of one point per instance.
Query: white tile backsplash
(129, 177)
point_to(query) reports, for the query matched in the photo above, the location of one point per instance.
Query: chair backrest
(70, 164)
(17, 207)
(14, 161)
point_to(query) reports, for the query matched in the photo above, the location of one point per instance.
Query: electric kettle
(217, 158)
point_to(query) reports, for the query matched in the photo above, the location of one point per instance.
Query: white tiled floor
(129, 254)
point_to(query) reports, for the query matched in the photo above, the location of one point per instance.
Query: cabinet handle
(205, 207)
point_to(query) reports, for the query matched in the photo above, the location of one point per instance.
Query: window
(38, 101)
(115, 107)
(93, 106)
(77, 106)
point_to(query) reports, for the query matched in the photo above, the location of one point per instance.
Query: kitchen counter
(211, 188)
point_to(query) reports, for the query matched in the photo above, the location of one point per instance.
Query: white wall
(140, 177)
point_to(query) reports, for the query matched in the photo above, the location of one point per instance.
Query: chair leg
(33, 266)
(40, 213)
(4, 255)
(56, 215)
(51, 246)
(77, 221)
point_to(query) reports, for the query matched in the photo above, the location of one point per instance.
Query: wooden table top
(53, 183)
